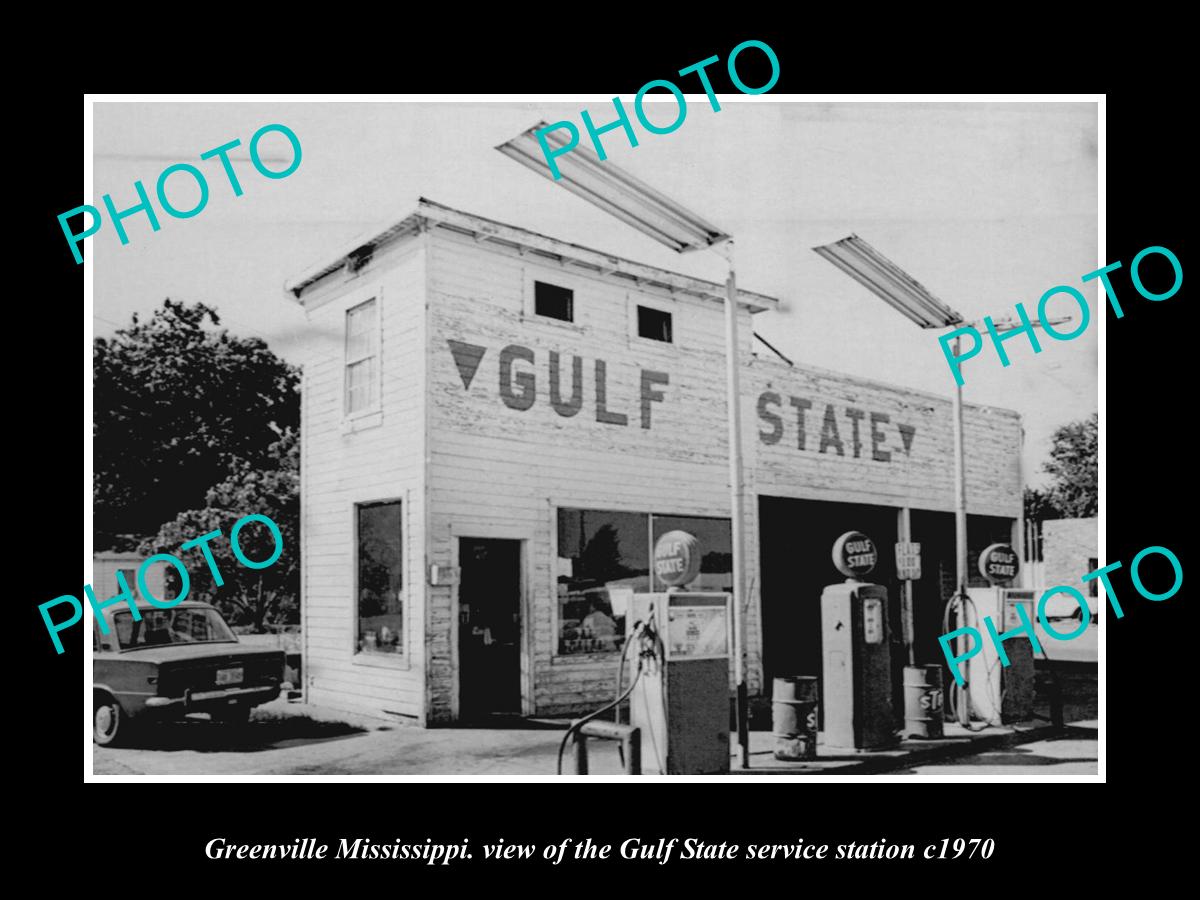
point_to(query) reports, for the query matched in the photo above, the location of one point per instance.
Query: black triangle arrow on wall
(467, 357)
(906, 435)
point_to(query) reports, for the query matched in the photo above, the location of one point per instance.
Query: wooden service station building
(497, 425)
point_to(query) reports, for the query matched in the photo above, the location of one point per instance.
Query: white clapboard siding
(511, 468)
(468, 465)
(342, 468)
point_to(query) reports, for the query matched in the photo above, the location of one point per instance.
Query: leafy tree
(1075, 467)
(178, 406)
(1039, 507)
(256, 597)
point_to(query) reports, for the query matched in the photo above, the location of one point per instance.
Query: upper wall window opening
(553, 302)
(362, 357)
(654, 324)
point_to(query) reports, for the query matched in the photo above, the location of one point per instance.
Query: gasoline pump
(856, 651)
(676, 662)
(1000, 694)
(682, 704)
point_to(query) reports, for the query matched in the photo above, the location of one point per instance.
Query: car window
(171, 626)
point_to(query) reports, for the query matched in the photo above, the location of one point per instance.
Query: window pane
(603, 558)
(171, 626)
(1093, 585)
(130, 576)
(172, 583)
(380, 579)
(361, 343)
(654, 324)
(716, 550)
(553, 301)
(360, 385)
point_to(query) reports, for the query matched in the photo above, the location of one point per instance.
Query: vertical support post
(960, 538)
(633, 752)
(581, 760)
(1019, 530)
(733, 395)
(907, 624)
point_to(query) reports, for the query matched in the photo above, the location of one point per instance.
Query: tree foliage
(178, 406)
(1039, 507)
(1074, 465)
(256, 597)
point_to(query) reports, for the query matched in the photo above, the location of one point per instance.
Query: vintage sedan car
(174, 662)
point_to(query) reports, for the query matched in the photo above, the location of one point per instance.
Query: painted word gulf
(519, 381)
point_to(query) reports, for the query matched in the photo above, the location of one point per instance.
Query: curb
(918, 755)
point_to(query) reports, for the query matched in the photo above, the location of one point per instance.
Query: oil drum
(923, 713)
(794, 717)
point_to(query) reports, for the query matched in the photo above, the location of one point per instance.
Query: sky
(986, 204)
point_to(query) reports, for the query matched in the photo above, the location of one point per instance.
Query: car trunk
(259, 668)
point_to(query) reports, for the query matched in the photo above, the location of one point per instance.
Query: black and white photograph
(756, 451)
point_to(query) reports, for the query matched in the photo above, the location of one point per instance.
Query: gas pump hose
(579, 723)
(958, 693)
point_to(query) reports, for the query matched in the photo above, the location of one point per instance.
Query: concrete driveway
(291, 739)
(285, 738)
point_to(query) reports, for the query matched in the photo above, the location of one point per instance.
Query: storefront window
(380, 604)
(603, 559)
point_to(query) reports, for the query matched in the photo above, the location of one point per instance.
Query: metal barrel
(794, 717)
(923, 707)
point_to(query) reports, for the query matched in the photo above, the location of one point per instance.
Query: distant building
(497, 425)
(1070, 551)
(106, 564)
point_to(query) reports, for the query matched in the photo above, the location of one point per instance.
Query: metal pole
(1019, 524)
(960, 539)
(906, 591)
(633, 752)
(581, 755)
(737, 498)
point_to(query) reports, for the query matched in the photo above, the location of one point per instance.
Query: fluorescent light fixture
(615, 191)
(1010, 324)
(889, 282)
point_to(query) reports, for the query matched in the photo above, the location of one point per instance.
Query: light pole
(635, 203)
(910, 298)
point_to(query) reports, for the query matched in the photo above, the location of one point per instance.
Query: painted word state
(1027, 327)
(145, 206)
(946, 640)
(126, 595)
(770, 407)
(623, 122)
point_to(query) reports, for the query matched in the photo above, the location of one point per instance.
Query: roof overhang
(429, 214)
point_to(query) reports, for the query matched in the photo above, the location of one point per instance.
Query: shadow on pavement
(1000, 758)
(263, 732)
(505, 722)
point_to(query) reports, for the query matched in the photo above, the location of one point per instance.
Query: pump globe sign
(854, 554)
(677, 558)
(999, 564)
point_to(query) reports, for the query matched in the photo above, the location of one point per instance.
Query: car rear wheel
(108, 723)
(233, 715)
